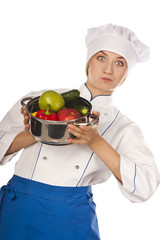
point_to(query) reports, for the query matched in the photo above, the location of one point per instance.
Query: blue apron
(33, 210)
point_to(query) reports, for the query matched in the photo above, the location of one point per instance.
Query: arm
(22, 140)
(139, 172)
(132, 163)
(89, 135)
(107, 154)
(11, 132)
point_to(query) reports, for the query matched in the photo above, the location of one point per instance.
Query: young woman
(50, 196)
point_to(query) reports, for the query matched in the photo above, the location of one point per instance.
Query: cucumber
(70, 95)
(81, 109)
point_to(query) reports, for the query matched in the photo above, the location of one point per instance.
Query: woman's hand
(85, 134)
(26, 118)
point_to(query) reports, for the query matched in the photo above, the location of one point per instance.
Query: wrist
(94, 143)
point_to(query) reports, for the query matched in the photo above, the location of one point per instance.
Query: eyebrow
(107, 55)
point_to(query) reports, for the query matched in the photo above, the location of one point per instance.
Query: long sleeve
(10, 126)
(139, 173)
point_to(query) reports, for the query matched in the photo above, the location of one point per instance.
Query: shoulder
(126, 125)
(129, 128)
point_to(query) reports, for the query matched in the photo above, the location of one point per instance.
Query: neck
(97, 92)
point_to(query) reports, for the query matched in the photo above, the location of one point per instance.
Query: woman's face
(106, 71)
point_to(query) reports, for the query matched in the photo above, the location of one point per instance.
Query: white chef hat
(116, 39)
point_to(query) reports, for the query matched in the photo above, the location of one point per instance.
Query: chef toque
(117, 39)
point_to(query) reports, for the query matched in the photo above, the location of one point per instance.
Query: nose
(108, 68)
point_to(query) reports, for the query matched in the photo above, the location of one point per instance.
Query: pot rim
(34, 99)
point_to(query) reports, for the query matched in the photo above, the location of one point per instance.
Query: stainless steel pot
(55, 132)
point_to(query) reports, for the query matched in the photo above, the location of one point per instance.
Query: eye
(119, 63)
(101, 58)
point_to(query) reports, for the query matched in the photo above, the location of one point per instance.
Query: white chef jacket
(76, 165)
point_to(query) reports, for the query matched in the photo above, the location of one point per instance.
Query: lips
(106, 79)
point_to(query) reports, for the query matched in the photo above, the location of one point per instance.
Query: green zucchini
(70, 95)
(81, 109)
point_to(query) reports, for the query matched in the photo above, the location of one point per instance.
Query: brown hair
(87, 65)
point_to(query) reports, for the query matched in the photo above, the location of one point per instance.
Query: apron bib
(33, 210)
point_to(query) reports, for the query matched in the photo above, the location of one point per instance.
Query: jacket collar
(100, 103)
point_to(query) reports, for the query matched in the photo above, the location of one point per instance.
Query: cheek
(121, 75)
(92, 71)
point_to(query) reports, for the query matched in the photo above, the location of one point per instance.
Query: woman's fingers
(23, 108)
(26, 117)
(85, 134)
(78, 133)
(27, 126)
(96, 113)
(76, 141)
(78, 129)
(24, 111)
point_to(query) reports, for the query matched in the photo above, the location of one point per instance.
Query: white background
(42, 47)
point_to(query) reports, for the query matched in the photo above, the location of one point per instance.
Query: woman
(50, 196)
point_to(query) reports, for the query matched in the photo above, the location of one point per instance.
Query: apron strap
(10, 193)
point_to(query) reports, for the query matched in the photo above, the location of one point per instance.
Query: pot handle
(25, 99)
(93, 116)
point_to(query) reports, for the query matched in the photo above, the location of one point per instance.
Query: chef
(50, 195)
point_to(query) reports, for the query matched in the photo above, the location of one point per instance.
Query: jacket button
(77, 167)
(44, 158)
